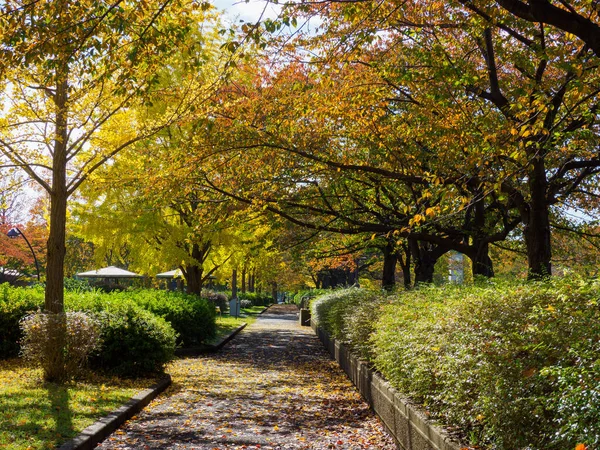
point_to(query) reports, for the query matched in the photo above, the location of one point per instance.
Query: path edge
(101, 429)
(209, 348)
(409, 426)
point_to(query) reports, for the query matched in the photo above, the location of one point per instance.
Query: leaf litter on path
(273, 387)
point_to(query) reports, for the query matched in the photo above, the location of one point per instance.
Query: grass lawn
(38, 415)
(253, 310)
(226, 324)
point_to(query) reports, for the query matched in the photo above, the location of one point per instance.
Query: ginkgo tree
(72, 74)
(75, 77)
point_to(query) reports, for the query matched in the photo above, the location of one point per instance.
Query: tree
(350, 172)
(574, 17)
(512, 103)
(74, 90)
(72, 85)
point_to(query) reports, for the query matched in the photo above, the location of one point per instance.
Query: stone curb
(221, 344)
(405, 422)
(100, 430)
(97, 432)
(209, 348)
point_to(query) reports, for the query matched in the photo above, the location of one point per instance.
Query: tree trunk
(481, 263)
(54, 296)
(234, 288)
(537, 224)
(425, 255)
(404, 260)
(244, 278)
(390, 258)
(193, 279)
(251, 281)
(56, 248)
(55, 370)
(274, 291)
(194, 272)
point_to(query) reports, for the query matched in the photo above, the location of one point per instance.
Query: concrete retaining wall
(405, 423)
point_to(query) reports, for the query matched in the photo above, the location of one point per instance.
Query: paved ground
(272, 387)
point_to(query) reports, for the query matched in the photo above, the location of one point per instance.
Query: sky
(249, 11)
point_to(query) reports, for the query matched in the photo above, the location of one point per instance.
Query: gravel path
(272, 387)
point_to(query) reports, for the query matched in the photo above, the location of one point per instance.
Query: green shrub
(73, 285)
(192, 318)
(360, 320)
(246, 303)
(513, 365)
(16, 303)
(303, 298)
(216, 299)
(40, 342)
(257, 298)
(329, 310)
(135, 342)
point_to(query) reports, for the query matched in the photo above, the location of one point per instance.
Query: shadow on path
(272, 387)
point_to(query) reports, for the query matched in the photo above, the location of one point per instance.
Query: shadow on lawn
(60, 410)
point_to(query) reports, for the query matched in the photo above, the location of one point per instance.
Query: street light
(15, 232)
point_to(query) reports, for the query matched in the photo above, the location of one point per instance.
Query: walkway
(272, 387)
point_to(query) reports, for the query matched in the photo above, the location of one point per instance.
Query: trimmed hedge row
(15, 303)
(257, 298)
(193, 318)
(140, 328)
(512, 365)
(302, 298)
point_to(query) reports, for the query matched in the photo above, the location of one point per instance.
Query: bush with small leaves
(330, 310)
(16, 303)
(510, 364)
(135, 342)
(192, 318)
(303, 298)
(217, 299)
(246, 303)
(45, 333)
(73, 285)
(257, 298)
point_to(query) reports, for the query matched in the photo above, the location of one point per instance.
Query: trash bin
(305, 317)
(234, 307)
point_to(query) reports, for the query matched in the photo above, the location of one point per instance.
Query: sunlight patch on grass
(38, 415)
(227, 324)
(253, 310)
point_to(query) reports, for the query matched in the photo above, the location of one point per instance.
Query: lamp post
(15, 232)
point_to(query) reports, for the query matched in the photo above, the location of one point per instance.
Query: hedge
(189, 319)
(512, 365)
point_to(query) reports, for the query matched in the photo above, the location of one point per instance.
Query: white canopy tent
(176, 273)
(109, 272)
